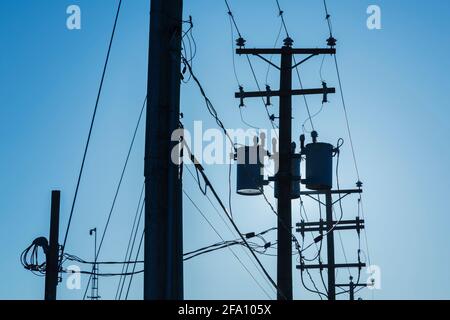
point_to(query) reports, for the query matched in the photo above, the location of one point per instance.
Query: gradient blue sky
(396, 84)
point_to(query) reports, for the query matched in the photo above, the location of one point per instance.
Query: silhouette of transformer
(318, 157)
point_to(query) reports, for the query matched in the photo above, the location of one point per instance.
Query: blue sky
(395, 81)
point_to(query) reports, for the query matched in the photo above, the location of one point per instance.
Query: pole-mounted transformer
(318, 163)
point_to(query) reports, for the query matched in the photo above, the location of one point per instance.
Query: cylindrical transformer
(319, 166)
(250, 174)
(295, 186)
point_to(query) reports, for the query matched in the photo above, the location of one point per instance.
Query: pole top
(288, 42)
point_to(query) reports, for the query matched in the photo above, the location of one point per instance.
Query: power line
(332, 42)
(241, 42)
(134, 266)
(318, 248)
(119, 185)
(131, 236)
(132, 240)
(269, 66)
(282, 18)
(204, 192)
(281, 15)
(91, 126)
(218, 234)
(216, 196)
(210, 107)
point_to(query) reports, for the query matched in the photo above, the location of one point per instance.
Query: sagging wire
(269, 66)
(318, 248)
(221, 204)
(236, 75)
(223, 244)
(229, 228)
(210, 107)
(229, 248)
(332, 43)
(283, 23)
(191, 42)
(299, 249)
(29, 258)
(72, 209)
(241, 43)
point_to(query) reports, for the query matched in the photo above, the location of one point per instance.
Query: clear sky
(396, 85)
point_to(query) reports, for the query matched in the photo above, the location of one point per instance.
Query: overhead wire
(209, 105)
(295, 240)
(131, 243)
(281, 15)
(319, 250)
(134, 266)
(231, 15)
(226, 224)
(91, 126)
(131, 236)
(119, 184)
(235, 227)
(220, 236)
(344, 106)
(341, 90)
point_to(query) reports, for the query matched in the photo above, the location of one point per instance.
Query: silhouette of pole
(52, 255)
(284, 177)
(286, 151)
(330, 247)
(163, 254)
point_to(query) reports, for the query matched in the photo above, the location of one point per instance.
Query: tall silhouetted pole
(52, 256)
(284, 176)
(163, 267)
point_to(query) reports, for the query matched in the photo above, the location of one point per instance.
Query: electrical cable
(216, 196)
(341, 90)
(218, 234)
(91, 126)
(231, 15)
(131, 237)
(226, 224)
(282, 19)
(131, 248)
(271, 56)
(118, 187)
(281, 14)
(318, 247)
(134, 266)
(208, 103)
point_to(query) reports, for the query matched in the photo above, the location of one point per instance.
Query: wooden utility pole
(330, 246)
(163, 252)
(329, 227)
(284, 175)
(52, 254)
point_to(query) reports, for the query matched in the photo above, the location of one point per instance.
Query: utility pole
(284, 175)
(163, 253)
(352, 286)
(52, 254)
(329, 227)
(330, 246)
